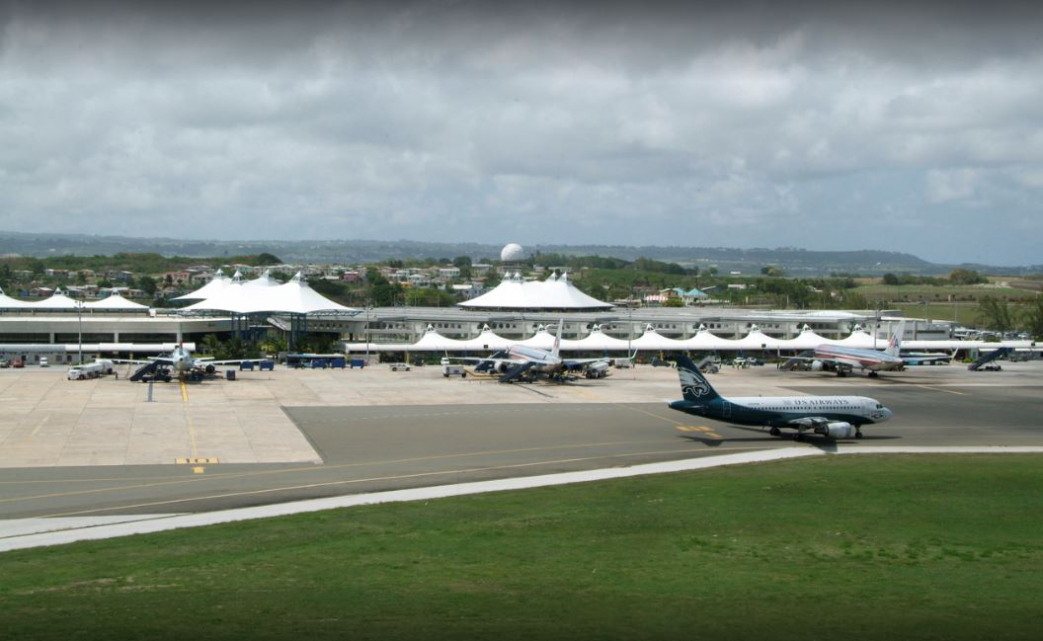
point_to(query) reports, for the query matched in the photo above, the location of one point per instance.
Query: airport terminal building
(516, 310)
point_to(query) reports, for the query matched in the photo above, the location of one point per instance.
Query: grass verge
(924, 547)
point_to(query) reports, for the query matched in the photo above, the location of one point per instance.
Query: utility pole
(79, 332)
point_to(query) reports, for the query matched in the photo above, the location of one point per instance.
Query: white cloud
(432, 123)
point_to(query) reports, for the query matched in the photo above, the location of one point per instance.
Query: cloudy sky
(826, 126)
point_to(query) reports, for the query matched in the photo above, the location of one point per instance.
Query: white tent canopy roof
(115, 301)
(216, 284)
(57, 301)
(293, 297)
(652, 341)
(6, 302)
(553, 293)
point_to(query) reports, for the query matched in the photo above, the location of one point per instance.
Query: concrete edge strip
(162, 523)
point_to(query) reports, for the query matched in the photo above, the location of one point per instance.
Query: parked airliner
(180, 363)
(518, 361)
(835, 417)
(845, 359)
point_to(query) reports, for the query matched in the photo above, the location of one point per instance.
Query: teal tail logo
(694, 386)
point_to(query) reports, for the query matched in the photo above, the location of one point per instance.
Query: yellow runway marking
(947, 391)
(198, 470)
(36, 429)
(709, 431)
(661, 418)
(195, 461)
(369, 480)
(311, 468)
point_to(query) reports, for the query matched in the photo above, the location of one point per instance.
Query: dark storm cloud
(840, 125)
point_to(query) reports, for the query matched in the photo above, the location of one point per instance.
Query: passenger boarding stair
(144, 371)
(989, 357)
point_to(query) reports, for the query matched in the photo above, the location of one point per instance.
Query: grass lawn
(940, 293)
(966, 313)
(898, 547)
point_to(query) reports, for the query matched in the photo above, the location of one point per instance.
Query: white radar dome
(512, 253)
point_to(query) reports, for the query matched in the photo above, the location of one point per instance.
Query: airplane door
(727, 412)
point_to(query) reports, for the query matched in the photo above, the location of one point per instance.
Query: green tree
(148, 285)
(891, 279)
(1034, 317)
(996, 314)
(966, 277)
(210, 346)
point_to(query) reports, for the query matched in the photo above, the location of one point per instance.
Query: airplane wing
(578, 363)
(479, 359)
(235, 362)
(130, 361)
(927, 359)
(809, 421)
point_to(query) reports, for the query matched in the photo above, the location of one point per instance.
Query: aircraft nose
(888, 414)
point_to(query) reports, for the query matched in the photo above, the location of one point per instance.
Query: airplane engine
(838, 429)
(210, 369)
(816, 366)
(501, 368)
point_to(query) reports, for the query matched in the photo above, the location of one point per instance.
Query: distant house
(352, 276)
(178, 277)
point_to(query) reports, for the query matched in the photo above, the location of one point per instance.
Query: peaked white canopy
(57, 301)
(293, 297)
(115, 302)
(6, 302)
(553, 293)
(216, 284)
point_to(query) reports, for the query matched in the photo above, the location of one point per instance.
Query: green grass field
(896, 547)
(941, 293)
(966, 313)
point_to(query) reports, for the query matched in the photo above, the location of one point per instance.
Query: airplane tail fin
(894, 343)
(557, 338)
(694, 386)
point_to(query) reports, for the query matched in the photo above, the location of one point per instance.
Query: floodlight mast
(79, 329)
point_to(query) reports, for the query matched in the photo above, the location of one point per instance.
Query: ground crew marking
(699, 428)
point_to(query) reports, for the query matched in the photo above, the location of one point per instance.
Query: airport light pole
(79, 329)
(366, 334)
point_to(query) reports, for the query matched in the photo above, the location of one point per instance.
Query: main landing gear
(775, 431)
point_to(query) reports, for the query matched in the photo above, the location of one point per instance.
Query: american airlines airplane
(518, 361)
(843, 360)
(835, 417)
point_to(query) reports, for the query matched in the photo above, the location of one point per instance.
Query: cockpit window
(879, 406)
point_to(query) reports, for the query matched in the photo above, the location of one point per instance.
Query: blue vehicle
(834, 417)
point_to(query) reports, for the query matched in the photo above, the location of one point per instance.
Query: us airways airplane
(835, 417)
(843, 360)
(519, 361)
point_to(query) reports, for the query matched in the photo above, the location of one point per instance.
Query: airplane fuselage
(543, 361)
(868, 359)
(781, 411)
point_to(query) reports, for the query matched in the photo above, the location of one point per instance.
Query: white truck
(100, 367)
(450, 368)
